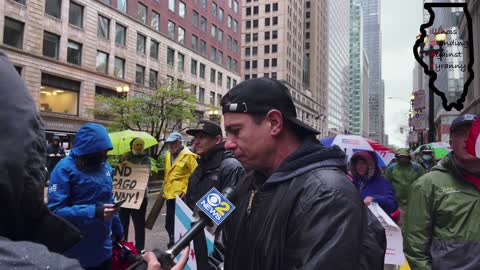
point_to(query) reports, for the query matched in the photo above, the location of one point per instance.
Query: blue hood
(91, 138)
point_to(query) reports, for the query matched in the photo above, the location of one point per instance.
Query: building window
(235, 6)
(266, 75)
(204, 4)
(235, 26)
(19, 70)
(255, 51)
(212, 98)
(220, 36)
(308, 14)
(229, 21)
(255, 37)
(171, 5)
(120, 33)
(142, 13)
(274, 48)
(53, 8)
(247, 77)
(248, 24)
(274, 75)
(171, 29)
(170, 56)
(248, 11)
(194, 42)
(229, 83)
(75, 15)
(59, 95)
(214, 31)
(152, 78)
(229, 62)
(267, 35)
(212, 75)
(220, 14)
(122, 5)
(248, 37)
(229, 42)
(74, 53)
(155, 22)
(266, 63)
(103, 27)
(275, 7)
(266, 49)
(181, 62)
(203, 47)
(140, 74)
(102, 62)
(274, 62)
(119, 68)
(220, 79)
(274, 34)
(182, 9)
(219, 99)
(201, 95)
(247, 51)
(213, 53)
(230, 3)
(141, 40)
(254, 64)
(255, 10)
(247, 64)
(220, 57)
(20, 1)
(234, 82)
(202, 71)
(203, 24)
(255, 23)
(181, 35)
(267, 21)
(267, 8)
(13, 33)
(195, 18)
(51, 44)
(193, 67)
(214, 9)
(153, 49)
(275, 20)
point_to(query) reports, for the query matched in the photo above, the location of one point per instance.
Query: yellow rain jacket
(176, 177)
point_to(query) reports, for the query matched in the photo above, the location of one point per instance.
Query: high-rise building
(69, 52)
(338, 66)
(372, 43)
(358, 77)
(281, 40)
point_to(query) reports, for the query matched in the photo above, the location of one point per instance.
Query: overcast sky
(400, 24)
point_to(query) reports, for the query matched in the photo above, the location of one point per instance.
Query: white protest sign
(129, 183)
(394, 254)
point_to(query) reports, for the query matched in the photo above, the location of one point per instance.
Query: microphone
(166, 258)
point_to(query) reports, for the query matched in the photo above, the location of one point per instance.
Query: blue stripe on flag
(183, 217)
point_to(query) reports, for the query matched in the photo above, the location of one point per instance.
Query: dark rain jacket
(24, 216)
(443, 223)
(306, 215)
(218, 169)
(75, 193)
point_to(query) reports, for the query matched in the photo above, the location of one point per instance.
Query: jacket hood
(448, 165)
(91, 138)
(310, 155)
(22, 167)
(371, 162)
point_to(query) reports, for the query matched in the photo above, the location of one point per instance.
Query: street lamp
(123, 90)
(439, 39)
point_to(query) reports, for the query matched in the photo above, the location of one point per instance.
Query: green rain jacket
(401, 177)
(443, 223)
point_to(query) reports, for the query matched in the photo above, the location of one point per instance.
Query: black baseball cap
(462, 120)
(259, 96)
(206, 126)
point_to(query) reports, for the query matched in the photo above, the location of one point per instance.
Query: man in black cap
(216, 167)
(296, 208)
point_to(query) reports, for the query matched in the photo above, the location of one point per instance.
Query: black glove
(99, 211)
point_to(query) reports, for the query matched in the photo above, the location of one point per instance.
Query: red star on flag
(192, 254)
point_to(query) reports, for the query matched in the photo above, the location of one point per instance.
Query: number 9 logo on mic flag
(215, 206)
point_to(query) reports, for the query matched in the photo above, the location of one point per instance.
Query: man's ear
(218, 139)
(275, 119)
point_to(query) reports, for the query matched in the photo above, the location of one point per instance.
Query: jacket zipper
(250, 201)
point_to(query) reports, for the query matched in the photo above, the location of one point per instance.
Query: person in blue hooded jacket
(80, 191)
(373, 187)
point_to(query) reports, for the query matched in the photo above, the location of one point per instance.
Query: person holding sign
(180, 163)
(137, 156)
(442, 229)
(80, 191)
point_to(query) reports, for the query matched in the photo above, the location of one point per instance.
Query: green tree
(158, 113)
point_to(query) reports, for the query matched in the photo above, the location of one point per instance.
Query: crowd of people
(300, 205)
